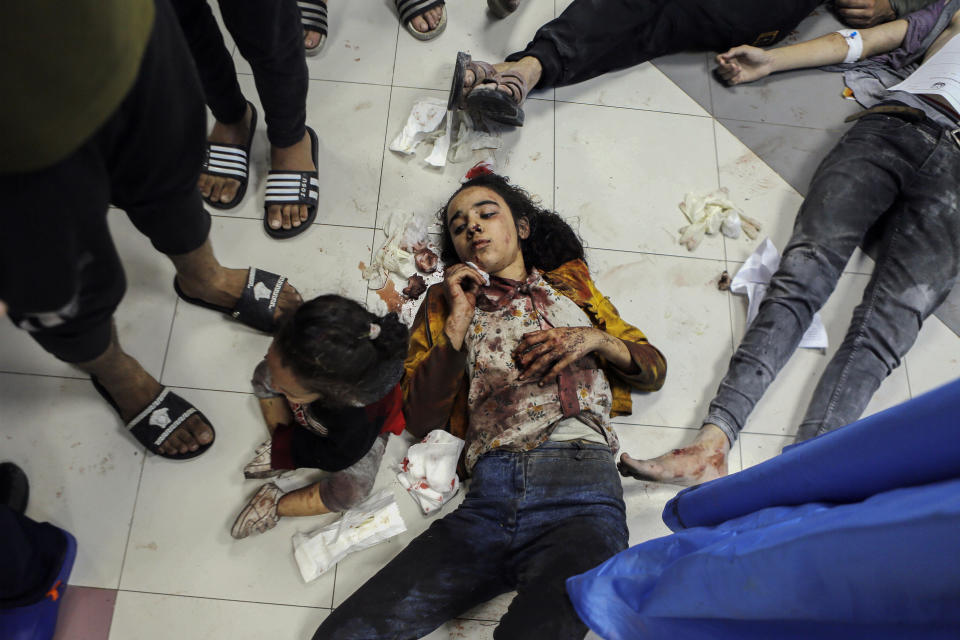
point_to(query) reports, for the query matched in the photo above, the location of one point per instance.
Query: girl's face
(283, 380)
(483, 231)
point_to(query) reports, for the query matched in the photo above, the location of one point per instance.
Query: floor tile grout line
(259, 602)
(312, 224)
(196, 597)
(906, 373)
(331, 80)
(655, 253)
(773, 124)
(716, 157)
(706, 64)
(84, 377)
(386, 134)
(166, 350)
(133, 515)
(626, 108)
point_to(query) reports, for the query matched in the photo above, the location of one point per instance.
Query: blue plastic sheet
(865, 553)
(917, 442)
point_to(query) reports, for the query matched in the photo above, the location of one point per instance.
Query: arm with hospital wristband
(745, 64)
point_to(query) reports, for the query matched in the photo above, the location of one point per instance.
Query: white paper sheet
(752, 280)
(939, 75)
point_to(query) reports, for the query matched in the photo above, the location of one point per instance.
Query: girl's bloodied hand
(544, 354)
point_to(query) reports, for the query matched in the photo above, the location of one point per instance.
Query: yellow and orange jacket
(435, 383)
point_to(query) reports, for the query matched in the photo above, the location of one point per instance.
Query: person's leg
(337, 491)
(573, 519)
(916, 269)
(156, 183)
(270, 37)
(855, 184)
(64, 281)
(455, 564)
(220, 87)
(593, 37)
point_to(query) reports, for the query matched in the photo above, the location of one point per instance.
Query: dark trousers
(268, 34)
(529, 521)
(593, 37)
(886, 172)
(59, 271)
(31, 554)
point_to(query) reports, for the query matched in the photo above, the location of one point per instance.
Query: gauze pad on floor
(372, 521)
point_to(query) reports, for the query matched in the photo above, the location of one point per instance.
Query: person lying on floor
(594, 37)
(328, 389)
(518, 353)
(897, 170)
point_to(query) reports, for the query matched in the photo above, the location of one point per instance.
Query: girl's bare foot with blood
(703, 460)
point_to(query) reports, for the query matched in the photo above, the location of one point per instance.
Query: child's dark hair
(328, 346)
(551, 241)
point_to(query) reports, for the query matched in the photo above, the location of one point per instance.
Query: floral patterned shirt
(518, 415)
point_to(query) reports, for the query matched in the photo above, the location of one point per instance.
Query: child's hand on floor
(744, 64)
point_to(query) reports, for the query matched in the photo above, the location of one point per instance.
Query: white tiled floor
(614, 156)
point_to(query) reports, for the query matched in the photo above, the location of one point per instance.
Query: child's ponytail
(333, 344)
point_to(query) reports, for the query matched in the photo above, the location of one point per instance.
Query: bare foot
(428, 20)
(218, 188)
(132, 389)
(225, 286)
(297, 157)
(528, 68)
(704, 459)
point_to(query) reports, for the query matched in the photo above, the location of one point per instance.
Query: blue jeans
(529, 521)
(903, 180)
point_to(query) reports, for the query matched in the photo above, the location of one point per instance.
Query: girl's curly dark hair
(327, 345)
(551, 241)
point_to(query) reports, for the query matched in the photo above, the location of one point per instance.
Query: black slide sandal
(230, 161)
(257, 303)
(294, 187)
(153, 425)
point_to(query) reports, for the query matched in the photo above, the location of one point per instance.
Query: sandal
(489, 101)
(410, 9)
(482, 71)
(230, 161)
(257, 303)
(502, 8)
(152, 426)
(259, 467)
(260, 514)
(294, 187)
(313, 17)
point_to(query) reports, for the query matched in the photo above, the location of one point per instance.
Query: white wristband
(854, 44)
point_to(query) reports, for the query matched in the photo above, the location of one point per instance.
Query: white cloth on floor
(429, 470)
(710, 214)
(422, 123)
(371, 522)
(454, 134)
(753, 278)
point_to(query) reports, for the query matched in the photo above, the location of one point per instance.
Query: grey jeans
(885, 171)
